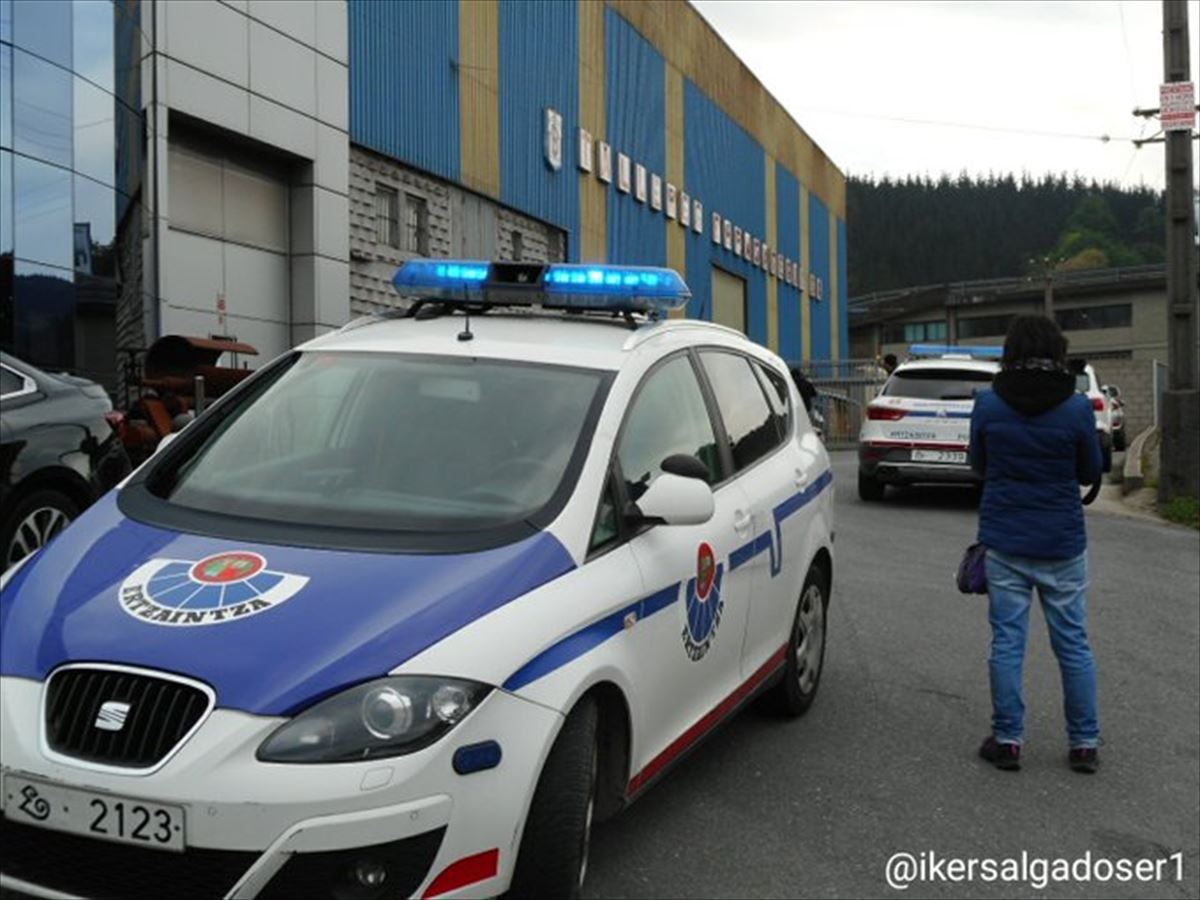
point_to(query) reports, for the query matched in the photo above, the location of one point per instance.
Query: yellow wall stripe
(772, 241)
(479, 94)
(593, 199)
(805, 299)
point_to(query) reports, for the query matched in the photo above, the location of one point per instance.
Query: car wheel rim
(587, 822)
(34, 532)
(810, 637)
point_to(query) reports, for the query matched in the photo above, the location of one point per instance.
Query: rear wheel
(870, 488)
(1106, 456)
(33, 522)
(806, 647)
(553, 858)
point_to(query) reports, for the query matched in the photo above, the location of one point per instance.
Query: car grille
(102, 869)
(161, 712)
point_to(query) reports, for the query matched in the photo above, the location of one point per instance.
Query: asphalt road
(885, 760)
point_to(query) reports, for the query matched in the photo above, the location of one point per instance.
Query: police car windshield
(393, 443)
(937, 384)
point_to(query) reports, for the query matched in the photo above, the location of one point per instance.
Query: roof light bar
(952, 350)
(635, 289)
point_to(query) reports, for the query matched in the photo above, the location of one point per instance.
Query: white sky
(1061, 67)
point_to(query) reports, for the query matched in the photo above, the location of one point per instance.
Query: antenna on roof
(465, 334)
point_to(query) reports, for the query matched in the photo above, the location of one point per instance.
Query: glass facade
(71, 174)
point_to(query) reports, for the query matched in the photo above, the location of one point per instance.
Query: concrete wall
(271, 73)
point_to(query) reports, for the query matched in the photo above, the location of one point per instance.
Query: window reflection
(6, 200)
(95, 153)
(42, 109)
(42, 212)
(93, 39)
(43, 28)
(5, 95)
(5, 20)
(44, 307)
(95, 228)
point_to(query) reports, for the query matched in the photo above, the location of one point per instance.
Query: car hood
(271, 628)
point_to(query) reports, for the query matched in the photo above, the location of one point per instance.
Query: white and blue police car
(409, 608)
(918, 429)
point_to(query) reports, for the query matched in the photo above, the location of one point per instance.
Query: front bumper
(263, 824)
(894, 465)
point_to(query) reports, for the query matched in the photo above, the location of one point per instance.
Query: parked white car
(1088, 384)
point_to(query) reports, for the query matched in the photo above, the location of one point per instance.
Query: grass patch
(1184, 510)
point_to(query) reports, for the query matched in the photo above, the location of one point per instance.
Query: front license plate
(940, 456)
(104, 816)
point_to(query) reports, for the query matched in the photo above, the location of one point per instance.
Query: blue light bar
(644, 289)
(952, 350)
(440, 278)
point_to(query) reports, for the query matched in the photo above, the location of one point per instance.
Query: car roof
(950, 362)
(585, 341)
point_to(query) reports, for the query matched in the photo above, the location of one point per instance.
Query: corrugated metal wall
(539, 68)
(724, 168)
(404, 81)
(787, 211)
(636, 115)
(843, 314)
(818, 255)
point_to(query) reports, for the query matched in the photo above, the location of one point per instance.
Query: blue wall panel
(539, 68)
(404, 81)
(787, 230)
(636, 98)
(725, 168)
(818, 255)
(843, 275)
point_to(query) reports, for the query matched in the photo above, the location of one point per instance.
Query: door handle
(742, 522)
(800, 480)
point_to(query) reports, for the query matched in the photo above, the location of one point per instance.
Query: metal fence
(844, 388)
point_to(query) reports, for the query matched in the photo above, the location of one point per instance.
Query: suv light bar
(919, 350)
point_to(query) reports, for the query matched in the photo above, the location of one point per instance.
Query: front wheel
(806, 647)
(553, 858)
(33, 522)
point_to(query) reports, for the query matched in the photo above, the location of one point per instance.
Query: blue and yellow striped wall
(459, 88)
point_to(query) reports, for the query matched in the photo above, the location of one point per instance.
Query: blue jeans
(1062, 587)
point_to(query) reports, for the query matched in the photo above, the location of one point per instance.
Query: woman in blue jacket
(1033, 439)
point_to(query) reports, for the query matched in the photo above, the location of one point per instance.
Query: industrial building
(258, 169)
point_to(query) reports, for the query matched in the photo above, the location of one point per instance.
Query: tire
(1106, 457)
(33, 521)
(802, 671)
(552, 861)
(1119, 439)
(870, 488)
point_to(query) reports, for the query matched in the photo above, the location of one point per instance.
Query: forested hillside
(924, 231)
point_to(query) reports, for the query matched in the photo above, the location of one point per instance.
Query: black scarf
(1032, 391)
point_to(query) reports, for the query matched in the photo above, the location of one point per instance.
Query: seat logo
(112, 716)
(217, 589)
(703, 605)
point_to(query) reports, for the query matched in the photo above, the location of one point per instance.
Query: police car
(918, 428)
(408, 610)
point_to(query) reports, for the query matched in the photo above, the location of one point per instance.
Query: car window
(606, 529)
(10, 382)
(937, 384)
(1082, 382)
(390, 442)
(777, 396)
(668, 416)
(749, 422)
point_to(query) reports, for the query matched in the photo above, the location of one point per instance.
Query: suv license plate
(95, 815)
(940, 456)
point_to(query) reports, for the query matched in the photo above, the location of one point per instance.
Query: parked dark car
(59, 452)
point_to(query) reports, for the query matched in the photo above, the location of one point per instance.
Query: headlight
(388, 717)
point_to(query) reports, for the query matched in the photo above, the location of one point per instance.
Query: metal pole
(1181, 400)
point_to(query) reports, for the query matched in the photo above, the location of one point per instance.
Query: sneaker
(1084, 759)
(1001, 754)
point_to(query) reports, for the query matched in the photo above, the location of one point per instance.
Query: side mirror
(676, 500)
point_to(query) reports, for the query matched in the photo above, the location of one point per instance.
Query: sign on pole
(1177, 105)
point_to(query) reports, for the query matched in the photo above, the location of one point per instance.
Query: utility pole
(1180, 476)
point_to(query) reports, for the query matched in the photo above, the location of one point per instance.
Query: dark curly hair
(1034, 339)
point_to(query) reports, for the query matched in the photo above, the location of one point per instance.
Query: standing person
(1033, 439)
(807, 389)
(889, 363)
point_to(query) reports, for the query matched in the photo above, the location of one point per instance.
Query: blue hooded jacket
(1033, 438)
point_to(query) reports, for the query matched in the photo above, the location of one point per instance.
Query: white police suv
(918, 428)
(405, 611)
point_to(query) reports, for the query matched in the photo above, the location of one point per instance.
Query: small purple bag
(972, 571)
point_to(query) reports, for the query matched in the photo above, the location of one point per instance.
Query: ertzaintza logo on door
(220, 588)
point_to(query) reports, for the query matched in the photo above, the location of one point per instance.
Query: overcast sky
(1073, 68)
